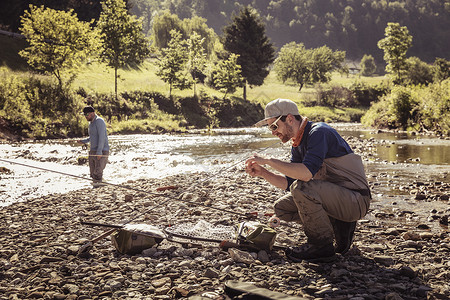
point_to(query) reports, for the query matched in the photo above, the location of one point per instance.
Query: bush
(366, 94)
(39, 108)
(413, 107)
(392, 111)
(418, 72)
(433, 111)
(327, 114)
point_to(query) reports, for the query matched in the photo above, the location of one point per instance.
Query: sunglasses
(87, 114)
(274, 126)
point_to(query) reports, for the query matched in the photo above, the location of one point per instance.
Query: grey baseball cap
(278, 107)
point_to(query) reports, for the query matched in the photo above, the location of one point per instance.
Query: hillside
(353, 26)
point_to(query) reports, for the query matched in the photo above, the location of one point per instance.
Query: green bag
(259, 235)
(132, 239)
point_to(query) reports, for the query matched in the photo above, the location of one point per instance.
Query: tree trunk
(245, 90)
(115, 82)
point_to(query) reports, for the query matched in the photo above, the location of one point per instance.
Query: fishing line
(119, 186)
(149, 192)
(205, 180)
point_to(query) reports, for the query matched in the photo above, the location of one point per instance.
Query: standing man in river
(99, 147)
(327, 183)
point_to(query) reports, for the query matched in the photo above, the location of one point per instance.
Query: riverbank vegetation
(195, 81)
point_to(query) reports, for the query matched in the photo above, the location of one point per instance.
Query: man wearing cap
(327, 183)
(99, 148)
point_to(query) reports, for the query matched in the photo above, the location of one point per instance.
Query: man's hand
(253, 166)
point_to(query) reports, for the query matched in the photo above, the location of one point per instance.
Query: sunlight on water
(143, 156)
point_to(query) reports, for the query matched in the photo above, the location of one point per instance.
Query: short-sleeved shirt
(319, 141)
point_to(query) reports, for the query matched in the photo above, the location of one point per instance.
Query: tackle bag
(133, 238)
(259, 235)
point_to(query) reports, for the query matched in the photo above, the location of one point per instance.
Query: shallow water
(401, 157)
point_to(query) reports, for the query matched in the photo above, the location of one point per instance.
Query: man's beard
(289, 134)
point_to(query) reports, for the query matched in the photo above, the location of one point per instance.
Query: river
(401, 157)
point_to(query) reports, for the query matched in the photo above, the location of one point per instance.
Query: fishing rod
(119, 186)
(88, 245)
(154, 193)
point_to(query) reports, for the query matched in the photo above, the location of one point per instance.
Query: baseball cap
(278, 107)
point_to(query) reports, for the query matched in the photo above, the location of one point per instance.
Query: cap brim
(261, 123)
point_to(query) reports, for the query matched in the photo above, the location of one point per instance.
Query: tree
(368, 66)
(418, 72)
(196, 58)
(163, 24)
(396, 43)
(172, 65)
(246, 37)
(226, 75)
(441, 69)
(58, 41)
(123, 43)
(307, 66)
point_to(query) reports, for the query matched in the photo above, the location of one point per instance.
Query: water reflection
(404, 147)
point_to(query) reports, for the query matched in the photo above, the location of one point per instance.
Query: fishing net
(201, 231)
(254, 234)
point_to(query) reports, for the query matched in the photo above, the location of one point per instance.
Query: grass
(96, 77)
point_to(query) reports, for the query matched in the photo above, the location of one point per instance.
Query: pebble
(397, 254)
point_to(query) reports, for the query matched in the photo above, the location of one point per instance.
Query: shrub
(366, 94)
(433, 111)
(37, 107)
(418, 72)
(368, 66)
(416, 107)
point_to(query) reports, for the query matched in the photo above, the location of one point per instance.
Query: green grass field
(98, 78)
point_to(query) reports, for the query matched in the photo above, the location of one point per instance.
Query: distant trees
(123, 43)
(58, 41)
(246, 37)
(172, 64)
(226, 75)
(368, 66)
(396, 43)
(196, 61)
(307, 66)
(441, 69)
(165, 22)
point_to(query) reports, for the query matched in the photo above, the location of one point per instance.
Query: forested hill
(351, 25)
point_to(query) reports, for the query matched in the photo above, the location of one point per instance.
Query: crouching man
(327, 183)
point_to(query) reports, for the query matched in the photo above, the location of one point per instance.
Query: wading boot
(343, 232)
(311, 253)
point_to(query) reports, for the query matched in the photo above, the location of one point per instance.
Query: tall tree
(123, 43)
(172, 65)
(246, 37)
(396, 43)
(196, 58)
(58, 41)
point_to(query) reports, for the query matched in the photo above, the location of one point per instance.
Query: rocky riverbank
(401, 248)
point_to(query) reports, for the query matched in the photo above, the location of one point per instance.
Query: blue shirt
(319, 141)
(97, 136)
